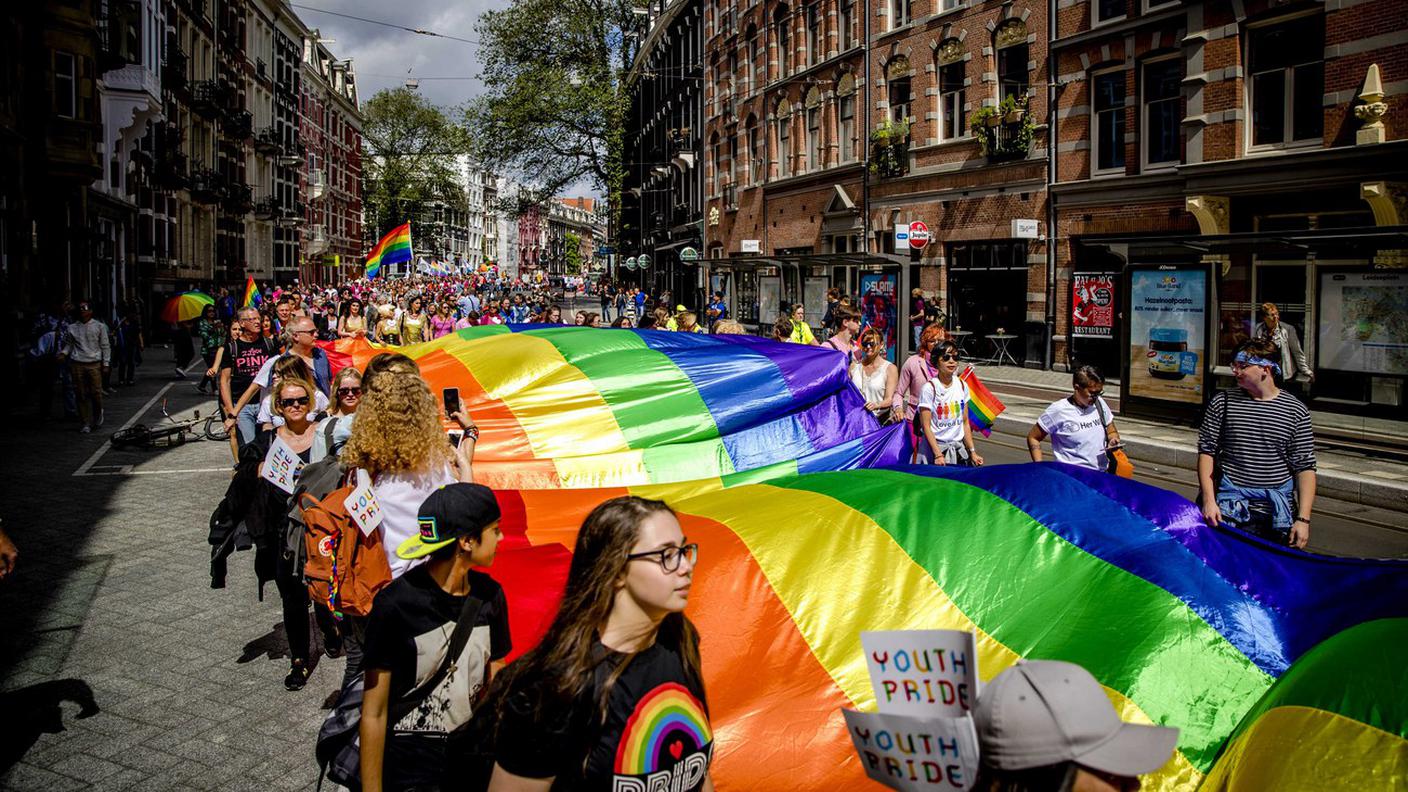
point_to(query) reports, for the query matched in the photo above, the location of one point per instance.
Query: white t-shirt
(400, 496)
(949, 407)
(1077, 434)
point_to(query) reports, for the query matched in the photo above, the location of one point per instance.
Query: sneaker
(297, 676)
(180, 375)
(102, 416)
(85, 430)
(333, 647)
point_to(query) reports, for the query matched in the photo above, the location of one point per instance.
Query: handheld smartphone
(452, 400)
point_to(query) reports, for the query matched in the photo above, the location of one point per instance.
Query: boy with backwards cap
(408, 636)
(1047, 726)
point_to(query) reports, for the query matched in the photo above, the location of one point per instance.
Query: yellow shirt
(801, 333)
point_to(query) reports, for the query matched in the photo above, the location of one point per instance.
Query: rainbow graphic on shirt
(668, 724)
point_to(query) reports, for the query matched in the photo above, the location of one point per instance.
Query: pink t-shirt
(913, 374)
(441, 326)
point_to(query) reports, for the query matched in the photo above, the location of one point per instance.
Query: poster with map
(1364, 322)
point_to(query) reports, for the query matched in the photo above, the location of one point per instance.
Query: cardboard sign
(281, 466)
(925, 673)
(909, 753)
(361, 505)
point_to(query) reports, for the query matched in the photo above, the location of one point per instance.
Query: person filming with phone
(1080, 426)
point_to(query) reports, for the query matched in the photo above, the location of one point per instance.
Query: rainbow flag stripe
(587, 407)
(983, 406)
(393, 248)
(1183, 624)
(1337, 719)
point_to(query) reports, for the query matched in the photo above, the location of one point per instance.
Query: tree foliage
(411, 146)
(554, 106)
(572, 254)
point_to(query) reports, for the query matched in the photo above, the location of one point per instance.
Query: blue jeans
(1257, 510)
(247, 422)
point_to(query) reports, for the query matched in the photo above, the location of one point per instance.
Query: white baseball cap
(1045, 712)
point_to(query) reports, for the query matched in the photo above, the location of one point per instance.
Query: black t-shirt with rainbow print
(656, 734)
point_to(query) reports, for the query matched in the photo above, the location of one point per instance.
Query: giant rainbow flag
(594, 407)
(1183, 624)
(393, 248)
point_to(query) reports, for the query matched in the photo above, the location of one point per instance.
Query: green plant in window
(1004, 131)
(890, 151)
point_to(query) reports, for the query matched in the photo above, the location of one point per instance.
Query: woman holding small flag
(946, 437)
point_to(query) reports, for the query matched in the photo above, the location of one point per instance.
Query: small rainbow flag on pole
(393, 248)
(983, 407)
(252, 298)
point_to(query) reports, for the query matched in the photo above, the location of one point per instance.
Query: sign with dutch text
(925, 673)
(908, 753)
(1025, 229)
(750, 246)
(281, 466)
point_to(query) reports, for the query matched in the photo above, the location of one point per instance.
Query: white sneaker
(85, 430)
(102, 416)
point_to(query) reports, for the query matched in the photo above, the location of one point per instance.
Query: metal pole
(1051, 138)
(865, 140)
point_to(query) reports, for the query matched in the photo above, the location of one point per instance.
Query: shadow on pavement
(34, 710)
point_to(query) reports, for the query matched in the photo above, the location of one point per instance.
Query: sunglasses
(296, 401)
(949, 357)
(868, 345)
(345, 392)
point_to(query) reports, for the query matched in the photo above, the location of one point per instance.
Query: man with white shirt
(89, 356)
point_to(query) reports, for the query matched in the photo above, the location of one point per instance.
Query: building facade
(662, 203)
(1255, 150)
(330, 129)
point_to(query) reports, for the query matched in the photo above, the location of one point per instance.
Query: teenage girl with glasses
(945, 436)
(619, 649)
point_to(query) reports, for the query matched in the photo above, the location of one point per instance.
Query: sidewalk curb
(1343, 485)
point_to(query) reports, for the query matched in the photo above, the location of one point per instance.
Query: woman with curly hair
(399, 440)
(619, 646)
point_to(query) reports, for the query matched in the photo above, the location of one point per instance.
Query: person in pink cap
(1047, 726)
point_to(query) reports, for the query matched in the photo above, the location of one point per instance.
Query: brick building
(1237, 145)
(330, 130)
(830, 123)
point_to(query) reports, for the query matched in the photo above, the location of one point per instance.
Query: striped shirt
(1259, 443)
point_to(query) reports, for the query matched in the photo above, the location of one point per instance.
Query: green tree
(409, 158)
(554, 105)
(572, 255)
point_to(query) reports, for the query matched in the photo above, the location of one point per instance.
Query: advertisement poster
(1167, 334)
(1364, 322)
(1093, 304)
(877, 306)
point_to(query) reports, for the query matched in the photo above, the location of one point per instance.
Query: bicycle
(174, 433)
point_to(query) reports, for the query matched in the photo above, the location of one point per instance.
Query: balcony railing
(266, 208)
(890, 159)
(238, 125)
(210, 98)
(730, 196)
(173, 72)
(207, 186)
(293, 154)
(170, 171)
(317, 185)
(238, 198)
(267, 140)
(293, 214)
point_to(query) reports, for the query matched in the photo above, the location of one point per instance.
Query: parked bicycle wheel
(215, 428)
(138, 435)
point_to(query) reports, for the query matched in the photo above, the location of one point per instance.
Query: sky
(384, 57)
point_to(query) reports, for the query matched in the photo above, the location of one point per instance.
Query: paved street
(110, 627)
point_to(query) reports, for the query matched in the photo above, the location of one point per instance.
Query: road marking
(126, 470)
(107, 444)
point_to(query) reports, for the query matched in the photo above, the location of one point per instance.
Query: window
(1108, 119)
(755, 160)
(783, 23)
(847, 24)
(951, 101)
(65, 86)
(899, 13)
(759, 62)
(1109, 10)
(1163, 111)
(814, 46)
(715, 152)
(784, 146)
(750, 60)
(1012, 72)
(847, 113)
(899, 99)
(1287, 81)
(814, 138)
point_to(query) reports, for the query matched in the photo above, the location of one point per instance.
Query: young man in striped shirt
(1261, 437)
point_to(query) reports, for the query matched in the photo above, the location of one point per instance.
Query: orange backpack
(345, 568)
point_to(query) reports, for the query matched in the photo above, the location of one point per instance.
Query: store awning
(808, 260)
(1365, 239)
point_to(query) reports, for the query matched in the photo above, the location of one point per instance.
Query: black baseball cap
(449, 513)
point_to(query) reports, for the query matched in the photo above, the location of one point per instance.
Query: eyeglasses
(669, 557)
(868, 345)
(296, 401)
(949, 356)
(343, 393)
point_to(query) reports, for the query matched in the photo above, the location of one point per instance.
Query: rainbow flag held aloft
(394, 248)
(252, 297)
(983, 406)
(1184, 625)
(588, 407)
(1336, 720)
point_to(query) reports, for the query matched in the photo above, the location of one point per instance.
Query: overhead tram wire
(417, 31)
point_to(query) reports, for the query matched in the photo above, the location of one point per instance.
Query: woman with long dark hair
(575, 712)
